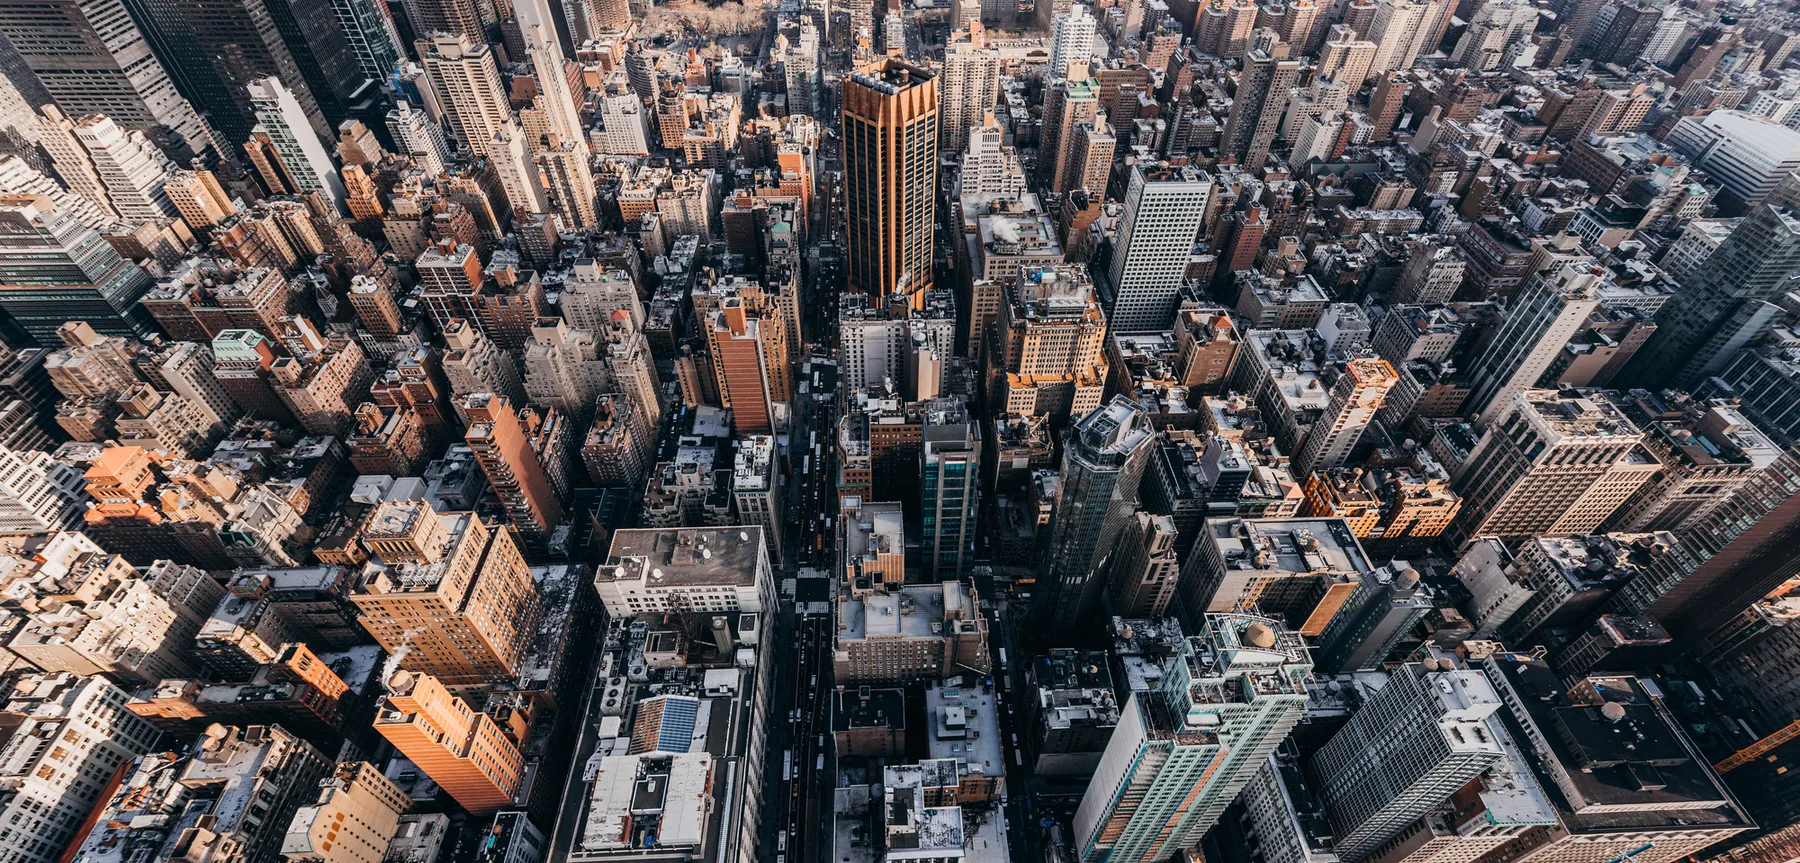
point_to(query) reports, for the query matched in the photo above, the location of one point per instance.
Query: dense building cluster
(777, 431)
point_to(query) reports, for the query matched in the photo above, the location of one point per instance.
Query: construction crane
(1759, 748)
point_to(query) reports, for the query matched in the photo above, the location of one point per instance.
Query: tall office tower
(199, 198)
(545, 53)
(568, 185)
(464, 751)
(355, 817)
(1262, 97)
(1413, 744)
(455, 601)
(512, 160)
(1073, 42)
(1090, 157)
(19, 178)
(511, 465)
(798, 52)
(308, 165)
(562, 367)
(743, 367)
(1145, 567)
(92, 59)
(1547, 312)
(1068, 103)
(1183, 751)
(1346, 57)
(610, 16)
(1554, 465)
(369, 29)
(593, 292)
(213, 51)
(56, 134)
(1165, 206)
(59, 785)
(462, 71)
(1398, 32)
(1380, 612)
(131, 169)
(1496, 28)
(625, 125)
(1359, 391)
(1717, 310)
(416, 135)
(473, 364)
(329, 68)
(970, 84)
(1223, 27)
(1047, 348)
(54, 270)
(454, 17)
(39, 494)
(890, 112)
(1105, 454)
(950, 490)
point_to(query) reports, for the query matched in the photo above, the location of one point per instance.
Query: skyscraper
(1399, 32)
(950, 491)
(1104, 457)
(464, 751)
(743, 367)
(1545, 315)
(1413, 744)
(455, 599)
(511, 465)
(462, 71)
(1360, 390)
(132, 171)
(1073, 41)
(1262, 97)
(1145, 567)
(369, 29)
(417, 136)
(455, 17)
(1553, 464)
(1183, 751)
(546, 57)
(93, 59)
(1381, 611)
(214, 50)
(1068, 103)
(1164, 208)
(308, 164)
(970, 86)
(890, 112)
(1698, 329)
(54, 269)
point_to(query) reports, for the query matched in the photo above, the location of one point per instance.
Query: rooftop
(684, 556)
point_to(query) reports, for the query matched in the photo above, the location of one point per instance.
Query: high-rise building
(369, 29)
(461, 69)
(1047, 347)
(455, 17)
(53, 269)
(562, 170)
(1145, 567)
(131, 170)
(308, 164)
(474, 364)
(1164, 208)
(1417, 740)
(1382, 610)
(213, 51)
(1104, 457)
(744, 367)
(969, 86)
(1183, 750)
(1360, 390)
(544, 52)
(1068, 103)
(799, 56)
(59, 785)
(455, 601)
(38, 494)
(890, 118)
(708, 569)
(1262, 97)
(92, 58)
(511, 465)
(465, 752)
(949, 494)
(1072, 42)
(1723, 306)
(1090, 161)
(1556, 464)
(416, 135)
(199, 198)
(1546, 313)
(355, 817)
(1399, 32)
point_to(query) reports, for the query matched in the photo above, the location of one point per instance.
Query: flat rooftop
(689, 555)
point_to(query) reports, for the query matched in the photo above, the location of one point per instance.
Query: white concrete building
(1164, 208)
